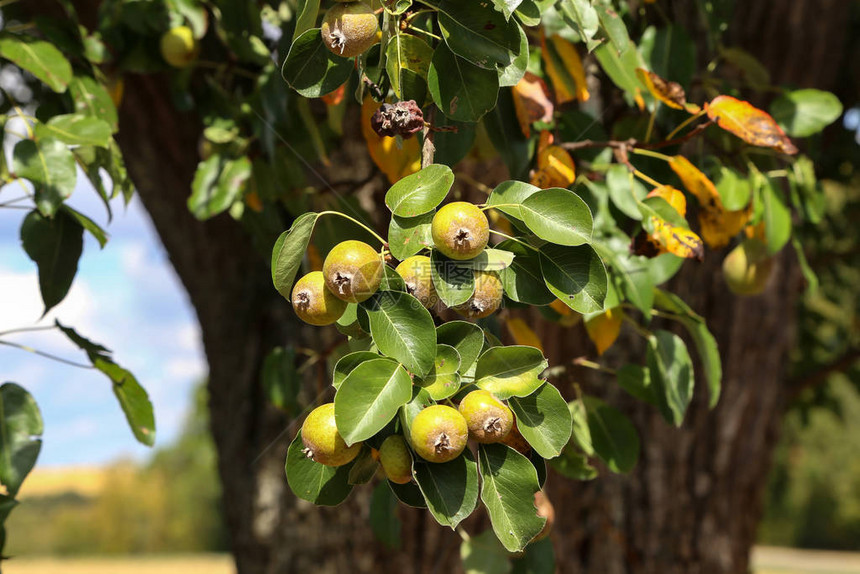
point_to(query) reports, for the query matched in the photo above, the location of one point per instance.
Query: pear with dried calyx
(314, 303)
(439, 433)
(460, 230)
(349, 29)
(489, 419)
(487, 297)
(353, 271)
(323, 443)
(417, 275)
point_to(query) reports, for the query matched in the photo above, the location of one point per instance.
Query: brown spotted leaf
(670, 93)
(749, 123)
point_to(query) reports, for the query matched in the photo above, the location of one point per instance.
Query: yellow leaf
(749, 123)
(719, 226)
(677, 240)
(569, 317)
(522, 334)
(603, 328)
(532, 102)
(673, 197)
(395, 162)
(697, 183)
(564, 68)
(555, 168)
(670, 93)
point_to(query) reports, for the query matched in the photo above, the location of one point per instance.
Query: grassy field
(765, 561)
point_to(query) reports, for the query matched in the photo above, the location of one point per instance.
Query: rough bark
(693, 501)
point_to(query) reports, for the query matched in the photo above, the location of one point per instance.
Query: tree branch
(634, 143)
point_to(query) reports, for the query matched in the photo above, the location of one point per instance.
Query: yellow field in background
(192, 564)
(55, 480)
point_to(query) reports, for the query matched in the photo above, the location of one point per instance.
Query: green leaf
(312, 69)
(347, 363)
(636, 380)
(777, 217)
(409, 494)
(508, 196)
(281, 381)
(477, 33)
(539, 558)
(402, 329)
(621, 69)
(558, 216)
(504, 132)
(92, 99)
(369, 397)
(632, 273)
(420, 400)
(625, 191)
(613, 436)
(217, 184)
(449, 488)
(20, 436)
(705, 342)
(509, 485)
(522, 279)
(307, 11)
(734, 188)
(581, 434)
(511, 371)
(670, 53)
(50, 167)
(575, 275)
(323, 485)
(409, 235)
(467, 338)
(582, 16)
(461, 90)
(614, 28)
(489, 260)
(363, 468)
(132, 397)
(420, 192)
(407, 63)
(573, 465)
(95, 230)
(544, 420)
(671, 375)
(507, 7)
(454, 283)
(444, 380)
(289, 250)
(38, 57)
(55, 246)
(802, 113)
(384, 521)
(484, 554)
(75, 129)
(511, 74)
(660, 208)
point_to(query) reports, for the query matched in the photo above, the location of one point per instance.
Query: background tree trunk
(691, 504)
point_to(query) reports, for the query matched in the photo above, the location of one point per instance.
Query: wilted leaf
(555, 168)
(532, 102)
(670, 93)
(678, 240)
(749, 123)
(672, 196)
(696, 183)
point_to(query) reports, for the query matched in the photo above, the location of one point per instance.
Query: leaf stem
(425, 32)
(583, 362)
(684, 124)
(357, 222)
(516, 240)
(27, 330)
(650, 153)
(644, 177)
(651, 123)
(46, 355)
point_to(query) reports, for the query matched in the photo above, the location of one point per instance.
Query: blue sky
(126, 297)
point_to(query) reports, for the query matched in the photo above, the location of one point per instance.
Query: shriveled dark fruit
(460, 230)
(439, 433)
(747, 268)
(404, 119)
(416, 274)
(487, 296)
(323, 444)
(516, 441)
(353, 271)
(315, 304)
(546, 510)
(349, 29)
(489, 419)
(396, 460)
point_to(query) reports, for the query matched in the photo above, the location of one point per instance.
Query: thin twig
(633, 143)
(46, 355)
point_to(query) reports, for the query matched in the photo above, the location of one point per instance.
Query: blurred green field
(766, 560)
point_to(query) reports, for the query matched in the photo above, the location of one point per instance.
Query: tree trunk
(691, 504)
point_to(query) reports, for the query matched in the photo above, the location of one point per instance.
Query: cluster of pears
(438, 433)
(349, 28)
(353, 271)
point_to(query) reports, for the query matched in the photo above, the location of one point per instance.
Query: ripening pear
(396, 460)
(747, 267)
(489, 419)
(313, 303)
(353, 271)
(439, 433)
(416, 274)
(323, 444)
(349, 29)
(460, 230)
(178, 47)
(487, 296)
